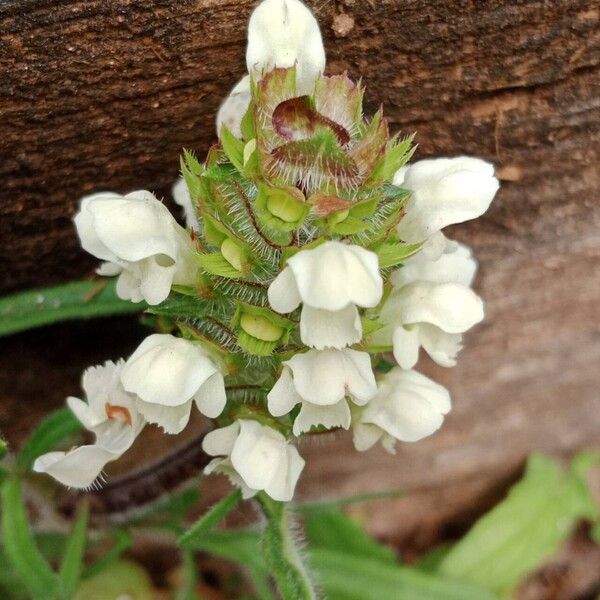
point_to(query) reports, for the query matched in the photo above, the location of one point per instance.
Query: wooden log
(103, 94)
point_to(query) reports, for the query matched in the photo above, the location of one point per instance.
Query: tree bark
(100, 94)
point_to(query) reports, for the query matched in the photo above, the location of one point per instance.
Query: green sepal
(392, 254)
(370, 326)
(349, 226)
(217, 264)
(397, 154)
(247, 126)
(214, 232)
(192, 171)
(233, 148)
(371, 146)
(254, 346)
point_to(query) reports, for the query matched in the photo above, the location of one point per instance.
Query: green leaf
(54, 429)
(72, 563)
(209, 520)
(78, 300)
(528, 527)
(330, 529)
(122, 542)
(346, 576)
(22, 553)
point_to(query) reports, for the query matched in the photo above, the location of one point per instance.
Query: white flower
(408, 407)
(234, 107)
(321, 381)
(331, 281)
(256, 458)
(111, 414)
(444, 191)
(431, 305)
(284, 33)
(140, 240)
(169, 374)
(181, 195)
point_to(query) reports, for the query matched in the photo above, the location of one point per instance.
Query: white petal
(455, 265)
(166, 370)
(155, 280)
(224, 467)
(109, 269)
(441, 346)
(283, 484)
(319, 376)
(181, 195)
(220, 442)
(84, 223)
(128, 286)
(234, 107)
(409, 406)
(322, 329)
(311, 415)
(211, 397)
(116, 436)
(365, 436)
(360, 380)
(283, 292)
(87, 417)
(284, 33)
(78, 468)
(258, 454)
(173, 419)
(283, 396)
(406, 345)
(135, 227)
(324, 377)
(334, 275)
(445, 191)
(452, 307)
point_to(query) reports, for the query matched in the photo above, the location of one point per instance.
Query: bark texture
(100, 94)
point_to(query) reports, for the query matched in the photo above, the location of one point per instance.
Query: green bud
(285, 207)
(233, 254)
(261, 328)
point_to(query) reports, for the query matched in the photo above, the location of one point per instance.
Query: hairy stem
(282, 554)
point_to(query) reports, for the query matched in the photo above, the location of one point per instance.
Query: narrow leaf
(353, 577)
(72, 563)
(78, 300)
(54, 429)
(210, 520)
(21, 550)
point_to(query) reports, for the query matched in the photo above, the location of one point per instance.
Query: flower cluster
(313, 248)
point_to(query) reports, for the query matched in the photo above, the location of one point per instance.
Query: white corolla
(408, 407)
(323, 382)
(140, 241)
(256, 458)
(169, 375)
(110, 413)
(330, 281)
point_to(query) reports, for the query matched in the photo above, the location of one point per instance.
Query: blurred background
(104, 94)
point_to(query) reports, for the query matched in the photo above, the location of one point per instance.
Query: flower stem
(282, 554)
